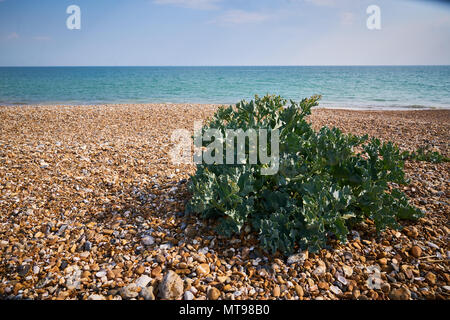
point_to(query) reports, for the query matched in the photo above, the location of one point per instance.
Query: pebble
(432, 245)
(143, 281)
(348, 271)
(299, 290)
(323, 285)
(36, 269)
(400, 294)
(431, 278)
(129, 291)
(23, 270)
(342, 280)
(385, 287)
(171, 286)
(72, 222)
(321, 269)
(188, 295)
(213, 293)
(416, 251)
(147, 293)
(203, 269)
(335, 290)
(297, 258)
(148, 241)
(140, 269)
(276, 291)
(87, 246)
(156, 272)
(96, 297)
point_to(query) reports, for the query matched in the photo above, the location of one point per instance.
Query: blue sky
(223, 32)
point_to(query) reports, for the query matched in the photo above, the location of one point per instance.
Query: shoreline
(321, 106)
(91, 207)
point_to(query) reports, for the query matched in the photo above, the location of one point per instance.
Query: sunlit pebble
(84, 187)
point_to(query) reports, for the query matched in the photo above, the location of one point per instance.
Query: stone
(148, 241)
(342, 280)
(147, 293)
(431, 278)
(321, 269)
(213, 293)
(110, 274)
(23, 270)
(188, 295)
(245, 253)
(96, 297)
(143, 281)
(171, 287)
(276, 291)
(335, 290)
(348, 271)
(323, 285)
(299, 290)
(156, 272)
(385, 287)
(140, 269)
(416, 251)
(202, 269)
(227, 288)
(411, 232)
(85, 254)
(297, 258)
(87, 246)
(101, 274)
(348, 256)
(131, 215)
(190, 231)
(400, 294)
(36, 269)
(129, 292)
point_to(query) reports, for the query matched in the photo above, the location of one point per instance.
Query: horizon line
(200, 66)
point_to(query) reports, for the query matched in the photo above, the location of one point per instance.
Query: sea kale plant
(327, 180)
(424, 154)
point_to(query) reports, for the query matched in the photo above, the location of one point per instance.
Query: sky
(223, 32)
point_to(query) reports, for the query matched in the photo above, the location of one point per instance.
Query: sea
(348, 87)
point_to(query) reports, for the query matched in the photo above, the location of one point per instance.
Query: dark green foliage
(423, 154)
(323, 186)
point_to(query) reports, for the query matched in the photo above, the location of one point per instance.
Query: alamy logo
(235, 153)
(74, 20)
(374, 20)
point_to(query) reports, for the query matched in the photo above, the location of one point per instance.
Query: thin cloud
(13, 35)
(193, 4)
(347, 18)
(42, 38)
(323, 3)
(240, 17)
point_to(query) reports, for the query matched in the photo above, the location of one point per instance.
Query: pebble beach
(91, 207)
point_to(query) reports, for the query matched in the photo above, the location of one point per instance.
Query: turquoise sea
(381, 87)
